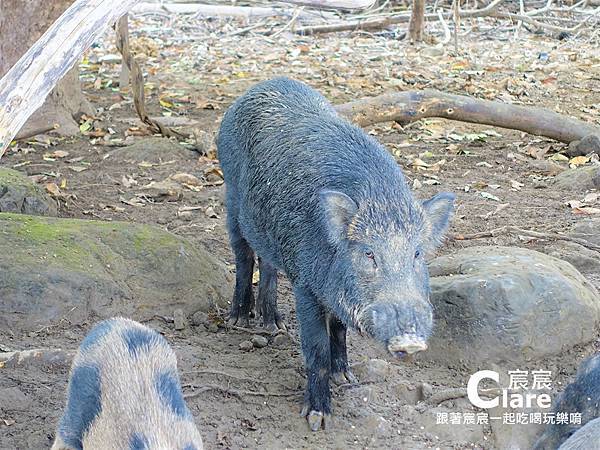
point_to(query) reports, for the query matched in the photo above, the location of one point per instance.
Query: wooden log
(383, 22)
(224, 10)
(25, 86)
(408, 106)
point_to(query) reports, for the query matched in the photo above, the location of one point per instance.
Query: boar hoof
(316, 419)
(239, 321)
(274, 327)
(344, 377)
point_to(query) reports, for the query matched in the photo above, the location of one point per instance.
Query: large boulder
(584, 259)
(502, 305)
(18, 194)
(65, 268)
(579, 179)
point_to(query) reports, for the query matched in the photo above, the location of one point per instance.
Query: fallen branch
(54, 357)
(453, 393)
(136, 78)
(379, 23)
(238, 392)
(409, 106)
(529, 233)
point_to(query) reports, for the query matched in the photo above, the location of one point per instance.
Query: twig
(447, 34)
(238, 392)
(456, 15)
(535, 234)
(535, 12)
(250, 28)
(235, 377)
(136, 79)
(264, 332)
(451, 394)
(290, 23)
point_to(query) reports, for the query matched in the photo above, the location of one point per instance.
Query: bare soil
(197, 71)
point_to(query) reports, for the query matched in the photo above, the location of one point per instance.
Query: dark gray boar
(586, 438)
(124, 393)
(317, 198)
(581, 396)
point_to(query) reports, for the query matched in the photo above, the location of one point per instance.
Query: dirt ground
(195, 70)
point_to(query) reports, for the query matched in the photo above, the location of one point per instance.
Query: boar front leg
(317, 358)
(340, 371)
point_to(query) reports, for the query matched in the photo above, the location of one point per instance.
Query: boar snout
(400, 346)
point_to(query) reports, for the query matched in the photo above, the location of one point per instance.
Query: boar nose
(401, 346)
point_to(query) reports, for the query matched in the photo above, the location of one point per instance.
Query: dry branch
(137, 81)
(382, 22)
(54, 357)
(406, 107)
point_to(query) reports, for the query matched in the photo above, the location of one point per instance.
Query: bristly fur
(311, 194)
(581, 396)
(124, 392)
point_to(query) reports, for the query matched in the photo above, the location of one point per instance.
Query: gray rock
(503, 305)
(259, 341)
(53, 268)
(281, 340)
(405, 393)
(372, 370)
(18, 194)
(199, 318)
(580, 179)
(13, 399)
(179, 319)
(246, 346)
(589, 144)
(584, 259)
(588, 229)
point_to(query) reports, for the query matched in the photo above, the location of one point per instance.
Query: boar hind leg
(266, 304)
(340, 371)
(317, 359)
(243, 299)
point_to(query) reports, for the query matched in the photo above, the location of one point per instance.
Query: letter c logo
(473, 393)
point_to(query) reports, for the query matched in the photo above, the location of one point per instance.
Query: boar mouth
(401, 346)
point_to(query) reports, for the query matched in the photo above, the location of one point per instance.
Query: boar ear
(338, 210)
(438, 212)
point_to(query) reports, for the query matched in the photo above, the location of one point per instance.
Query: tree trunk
(22, 22)
(417, 21)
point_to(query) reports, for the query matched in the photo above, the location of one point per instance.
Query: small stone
(281, 340)
(179, 319)
(246, 346)
(199, 318)
(426, 390)
(373, 370)
(259, 341)
(185, 215)
(212, 327)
